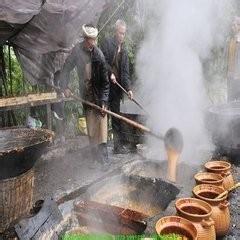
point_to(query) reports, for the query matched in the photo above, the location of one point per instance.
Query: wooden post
(49, 116)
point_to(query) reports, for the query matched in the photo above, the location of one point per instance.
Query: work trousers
(114, 105)
(96, 127)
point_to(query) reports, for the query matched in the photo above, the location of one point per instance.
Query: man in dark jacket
(93, 86)
(118, 71)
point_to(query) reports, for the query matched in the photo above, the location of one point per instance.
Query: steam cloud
(179, 36)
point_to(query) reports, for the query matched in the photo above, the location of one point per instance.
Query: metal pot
(132, 135)
(223, 122)
(20, 148)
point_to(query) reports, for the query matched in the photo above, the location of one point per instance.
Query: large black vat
(223, 121)
(132, 135)
(20, 148)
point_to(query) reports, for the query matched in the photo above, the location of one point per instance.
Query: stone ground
(64, 173)
(234, 199)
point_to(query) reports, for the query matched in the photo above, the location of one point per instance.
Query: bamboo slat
(13, 101)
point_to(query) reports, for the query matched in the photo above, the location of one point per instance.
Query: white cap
(89, 31)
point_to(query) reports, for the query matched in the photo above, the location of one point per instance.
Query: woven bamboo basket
(16, 196)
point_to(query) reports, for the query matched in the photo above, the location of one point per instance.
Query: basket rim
(31, 170)
(49, 134)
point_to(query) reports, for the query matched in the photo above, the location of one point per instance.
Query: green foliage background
(16, 84)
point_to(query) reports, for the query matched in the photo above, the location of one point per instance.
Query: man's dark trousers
(114, 104)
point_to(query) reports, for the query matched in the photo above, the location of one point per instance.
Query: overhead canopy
(44, 32)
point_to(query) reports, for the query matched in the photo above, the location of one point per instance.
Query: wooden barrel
(16, 196)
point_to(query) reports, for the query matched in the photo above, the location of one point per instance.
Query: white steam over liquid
(179, 35)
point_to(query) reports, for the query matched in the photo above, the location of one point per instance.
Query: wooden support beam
(49, 116)
(29, 99)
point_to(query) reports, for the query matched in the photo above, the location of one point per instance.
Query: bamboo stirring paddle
(173, 139)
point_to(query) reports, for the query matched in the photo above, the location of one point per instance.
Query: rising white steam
(179, 37)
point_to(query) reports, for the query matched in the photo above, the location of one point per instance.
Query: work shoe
(121, 150)
(132, 148)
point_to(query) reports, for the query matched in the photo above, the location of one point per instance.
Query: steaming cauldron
(223, 121)
(132, 135)
(20, 148)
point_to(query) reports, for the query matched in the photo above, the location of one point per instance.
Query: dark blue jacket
(109, 48)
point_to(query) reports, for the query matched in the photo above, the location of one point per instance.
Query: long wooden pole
(124, 119)
(134, 100)
(173, 138)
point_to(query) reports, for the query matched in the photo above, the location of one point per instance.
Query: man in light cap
(233, 66)
(94, 87)
(118, 70)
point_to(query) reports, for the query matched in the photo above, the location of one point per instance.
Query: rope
(108, 20)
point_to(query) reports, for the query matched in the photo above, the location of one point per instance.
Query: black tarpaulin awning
(44, 32)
